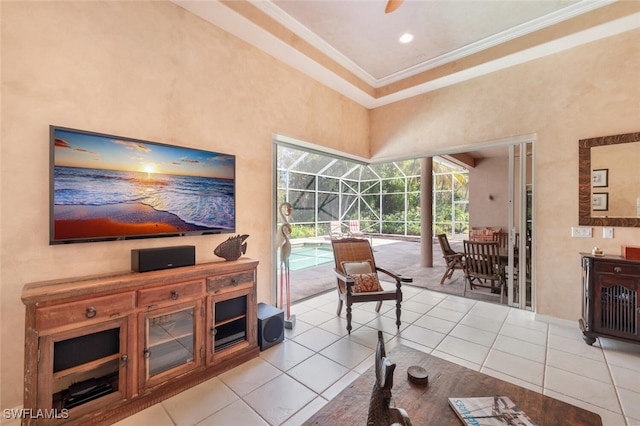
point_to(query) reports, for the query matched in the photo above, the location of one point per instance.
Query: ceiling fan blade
(392, 5)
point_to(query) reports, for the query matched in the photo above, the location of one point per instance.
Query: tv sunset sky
(77, 149)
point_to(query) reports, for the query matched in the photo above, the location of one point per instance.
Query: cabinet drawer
(617, 268)
(97, 308)
(215, 284)
(170, 293)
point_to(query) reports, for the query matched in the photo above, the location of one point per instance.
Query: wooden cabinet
(101, 348)
(77, 378)
(610, 307)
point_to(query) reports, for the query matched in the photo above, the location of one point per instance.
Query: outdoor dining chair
(453, 259)
(482, 266)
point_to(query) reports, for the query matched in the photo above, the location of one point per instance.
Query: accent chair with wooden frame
(482, 266)
(357, 277)
(453, 259)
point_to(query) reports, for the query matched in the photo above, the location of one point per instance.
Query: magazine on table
(491, 410)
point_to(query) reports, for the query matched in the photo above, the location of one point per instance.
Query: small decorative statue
(382, 410)
(232, 248)
(284, 245)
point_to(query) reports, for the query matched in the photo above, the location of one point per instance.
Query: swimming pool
(306, 255)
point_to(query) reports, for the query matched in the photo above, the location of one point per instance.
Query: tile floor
(292, 380)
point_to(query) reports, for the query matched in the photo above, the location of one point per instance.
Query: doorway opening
(384, 199)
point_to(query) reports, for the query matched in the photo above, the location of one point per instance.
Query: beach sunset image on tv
(109, 187)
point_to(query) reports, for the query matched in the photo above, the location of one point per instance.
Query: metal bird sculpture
(283, 243)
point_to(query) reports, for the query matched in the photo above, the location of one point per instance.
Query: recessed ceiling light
(406, 38)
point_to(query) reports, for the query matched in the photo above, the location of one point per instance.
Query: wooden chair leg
(339, 311)
(348, 317)
(447, 274)
(398, 323)
(378, 306)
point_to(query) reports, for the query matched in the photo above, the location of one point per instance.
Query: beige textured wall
(147, 70)
(489, 177)
(588, 91)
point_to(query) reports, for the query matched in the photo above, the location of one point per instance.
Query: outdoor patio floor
(399, 256)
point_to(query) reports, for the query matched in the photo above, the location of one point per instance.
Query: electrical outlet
(607, 232)
(580, 232)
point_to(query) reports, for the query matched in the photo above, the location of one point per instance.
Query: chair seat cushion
(365, 283)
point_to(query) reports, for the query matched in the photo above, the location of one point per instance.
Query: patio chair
(335, 229)
(502, 238)
(482, 266)
(354, 229)
(357, 277)
(453, 259)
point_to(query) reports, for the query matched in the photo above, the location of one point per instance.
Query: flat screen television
(106, 187)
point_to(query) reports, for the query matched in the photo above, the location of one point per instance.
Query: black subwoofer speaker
(270, 326)
(153, 259)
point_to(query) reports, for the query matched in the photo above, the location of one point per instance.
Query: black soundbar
(153, 259)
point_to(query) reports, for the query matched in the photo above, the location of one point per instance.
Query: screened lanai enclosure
(384, 198)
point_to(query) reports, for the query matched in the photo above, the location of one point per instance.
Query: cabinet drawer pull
(617, 269)
(91, 312)
(174, 295)
(235, 282)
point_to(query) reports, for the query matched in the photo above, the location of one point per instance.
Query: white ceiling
(444, 30)
(359, 37)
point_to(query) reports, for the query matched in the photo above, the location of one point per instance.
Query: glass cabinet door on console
(171, 342)
(89, 364)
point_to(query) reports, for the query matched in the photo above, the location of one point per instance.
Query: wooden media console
(100, 348)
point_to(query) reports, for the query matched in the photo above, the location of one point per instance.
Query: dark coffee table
(429, 405)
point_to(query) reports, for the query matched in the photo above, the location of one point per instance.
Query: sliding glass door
(519, 253)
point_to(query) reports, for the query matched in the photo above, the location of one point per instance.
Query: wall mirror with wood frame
(608, 180)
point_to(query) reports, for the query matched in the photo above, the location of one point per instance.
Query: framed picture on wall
(600, 178)
(600, 201)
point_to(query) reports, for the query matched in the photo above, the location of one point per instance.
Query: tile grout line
(613, 383)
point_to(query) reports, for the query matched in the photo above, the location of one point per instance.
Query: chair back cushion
(351, 268)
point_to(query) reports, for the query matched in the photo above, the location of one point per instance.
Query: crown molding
(228, 20)
(293, 25)
(571, 11)
(534, 25)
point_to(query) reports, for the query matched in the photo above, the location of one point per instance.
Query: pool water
(308, 255)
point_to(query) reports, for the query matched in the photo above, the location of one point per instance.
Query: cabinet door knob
(213, 331)
(124, 358)
(174, 295)
(91, 312)
(617, 269)
(147, 353)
